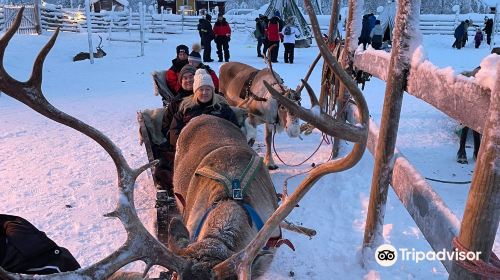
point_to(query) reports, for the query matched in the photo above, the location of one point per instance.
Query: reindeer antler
(140, 244)
(240, 263)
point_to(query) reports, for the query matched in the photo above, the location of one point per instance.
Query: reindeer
(227, 197)
(243, 86)
(85, 55)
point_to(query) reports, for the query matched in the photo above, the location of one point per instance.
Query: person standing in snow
(478, 38)
(273, 35)
(459, 34)
(377, 35)
(207, 35)
(488, 29)
(222, 32)
(260, 33)
(465, 38)
(290, 33)
(364, 38)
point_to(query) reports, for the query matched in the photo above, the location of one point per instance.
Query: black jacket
(488, 26)
(205, 29)
(172, 109)
(182, 118)
(25, 249)
(177, 64)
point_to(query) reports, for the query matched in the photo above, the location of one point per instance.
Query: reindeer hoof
(251, 142)
(272, 167)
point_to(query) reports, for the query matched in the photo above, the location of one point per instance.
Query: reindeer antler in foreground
(240, 263)
(140, 244)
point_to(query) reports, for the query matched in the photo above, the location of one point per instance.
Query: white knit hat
(202, 78)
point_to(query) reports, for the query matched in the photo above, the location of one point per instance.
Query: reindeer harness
(245, 90)
(236, 189)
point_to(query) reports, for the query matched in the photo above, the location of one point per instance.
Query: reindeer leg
(268, 159)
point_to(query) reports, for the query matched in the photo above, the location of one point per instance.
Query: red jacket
(273, 32)
(222, 28)
(173, 81)
(172, 75)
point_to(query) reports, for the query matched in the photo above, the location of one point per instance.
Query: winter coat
(488, 26)
(294, 33)
(172, 75)
(273, 29)
(377, 30)
(190, 109)
(260, 30)
(478, 37)
(222, 30)
(205, 29)
(365, 31)
(25, 249)
(172, 109)
(459, 31)
(371, 20)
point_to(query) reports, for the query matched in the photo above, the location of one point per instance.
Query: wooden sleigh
(150, 123)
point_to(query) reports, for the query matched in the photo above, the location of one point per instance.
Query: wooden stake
(396, 84)
(482, 211)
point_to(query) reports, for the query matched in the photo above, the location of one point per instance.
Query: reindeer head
(286, 119)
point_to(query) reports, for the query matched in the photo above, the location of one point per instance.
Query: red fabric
(173, 81)
(222, 29)
(273, 32)
(215, 80)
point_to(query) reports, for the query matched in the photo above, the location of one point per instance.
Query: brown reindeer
(243, 86)
(85, 55)
(222, 189)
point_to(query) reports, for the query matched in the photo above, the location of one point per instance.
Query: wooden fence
(461, 99)
(74, 20)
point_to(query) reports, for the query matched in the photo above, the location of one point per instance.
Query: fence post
(141, 26)
(129, 21)
(482, 210)
(162, 25)
(89, 30)
(38, 22)
(396, 84)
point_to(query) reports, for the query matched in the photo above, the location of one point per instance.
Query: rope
(449, 182)
(299, 164)
(479, 267)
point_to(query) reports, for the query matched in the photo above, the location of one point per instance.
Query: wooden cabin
(107, 5)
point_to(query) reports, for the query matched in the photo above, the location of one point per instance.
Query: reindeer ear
(178, 237)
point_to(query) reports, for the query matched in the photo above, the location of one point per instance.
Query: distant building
(107, 5)
(191, 7)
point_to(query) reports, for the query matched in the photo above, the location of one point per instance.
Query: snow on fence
(73, 20)
(465, 100)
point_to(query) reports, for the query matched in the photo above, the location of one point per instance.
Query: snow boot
(462, 157)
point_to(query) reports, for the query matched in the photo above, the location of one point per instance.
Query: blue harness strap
(254, 216)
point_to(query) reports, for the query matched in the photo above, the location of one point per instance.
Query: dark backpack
(288, 30)
(25, 249)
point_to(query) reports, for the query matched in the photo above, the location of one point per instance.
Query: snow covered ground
(63, 182)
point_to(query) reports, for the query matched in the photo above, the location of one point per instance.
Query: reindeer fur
(232, 77)
(227, 228)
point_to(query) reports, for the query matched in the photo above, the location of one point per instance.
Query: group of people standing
(461, 35)
(270, 32)
(371, 32)
(220, 33)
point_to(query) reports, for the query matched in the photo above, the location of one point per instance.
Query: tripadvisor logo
(387, 255)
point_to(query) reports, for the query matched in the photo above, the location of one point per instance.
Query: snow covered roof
(122, 2)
